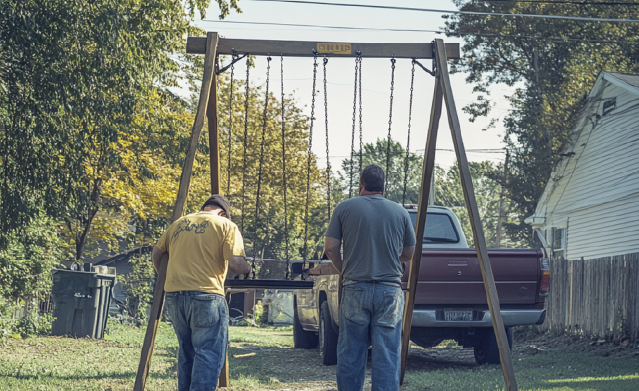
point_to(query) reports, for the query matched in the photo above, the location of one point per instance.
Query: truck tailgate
(453, 277)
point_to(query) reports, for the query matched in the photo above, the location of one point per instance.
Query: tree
(377, 154)
(74, 75)
(449, 193)
(264, 232)
(552, 63)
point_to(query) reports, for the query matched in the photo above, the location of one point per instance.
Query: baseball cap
(220, 201)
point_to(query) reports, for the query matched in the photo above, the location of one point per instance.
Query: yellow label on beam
(334, 48)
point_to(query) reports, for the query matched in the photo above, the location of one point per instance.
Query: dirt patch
(531, 343)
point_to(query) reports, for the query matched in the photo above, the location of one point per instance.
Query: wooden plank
(427, 173)
(475, 220)
(214, 144)
(256, 47)
(178, 209)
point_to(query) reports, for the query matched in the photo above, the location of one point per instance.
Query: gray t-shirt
(373, 231)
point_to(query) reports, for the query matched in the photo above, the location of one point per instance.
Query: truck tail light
(544, 286)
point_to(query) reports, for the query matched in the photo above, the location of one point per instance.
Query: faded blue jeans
(370, 314)
(201, 322)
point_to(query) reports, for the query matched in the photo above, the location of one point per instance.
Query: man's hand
(156, 256)
(239, 265)
(332, 249)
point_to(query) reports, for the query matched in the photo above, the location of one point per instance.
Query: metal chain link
(390, 122)
(284, 184)
(328, 161)
(350, 185)
(261, 166)
(310, 159)
(228, 168)
(410, 113)
(361, 143)
(245, 142)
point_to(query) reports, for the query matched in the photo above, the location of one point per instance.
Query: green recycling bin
(81, 303)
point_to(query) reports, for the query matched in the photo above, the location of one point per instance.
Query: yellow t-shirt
(199, 247)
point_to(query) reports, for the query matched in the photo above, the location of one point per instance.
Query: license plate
(458, 315)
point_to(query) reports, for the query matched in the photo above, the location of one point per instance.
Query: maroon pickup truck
(450, 301)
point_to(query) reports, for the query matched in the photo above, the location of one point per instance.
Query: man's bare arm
(406, 255)
(239, 265)
(156, 256)
(332, 249)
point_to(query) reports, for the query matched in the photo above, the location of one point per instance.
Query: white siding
(597, 189)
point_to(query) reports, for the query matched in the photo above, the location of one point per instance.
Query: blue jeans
(201, 322)
(370, 314)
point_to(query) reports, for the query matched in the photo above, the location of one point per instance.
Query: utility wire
(552, 39)
(563, 2)
(388, 7)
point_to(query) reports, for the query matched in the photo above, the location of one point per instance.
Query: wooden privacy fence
(595, 298)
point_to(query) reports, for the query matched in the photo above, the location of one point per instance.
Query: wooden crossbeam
(256, 47)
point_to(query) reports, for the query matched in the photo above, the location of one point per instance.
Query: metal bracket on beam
(218, 71)
(432, 73)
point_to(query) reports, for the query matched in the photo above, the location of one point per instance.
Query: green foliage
(266, 239)
(260, 314)
(448, 192)
(376, 154)
(25, 277)
(75, 78)
(138, 284)
(552, 64)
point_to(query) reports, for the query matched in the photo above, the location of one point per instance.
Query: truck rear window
(439, 228)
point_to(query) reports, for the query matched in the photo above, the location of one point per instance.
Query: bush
(139, 284)
(26, 260)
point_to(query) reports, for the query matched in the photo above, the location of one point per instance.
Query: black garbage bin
(81, 303)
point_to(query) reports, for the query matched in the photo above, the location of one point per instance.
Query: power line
(564, 2)
(534, 37)
(388, 7)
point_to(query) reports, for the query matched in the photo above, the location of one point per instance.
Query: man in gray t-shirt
(377, 236)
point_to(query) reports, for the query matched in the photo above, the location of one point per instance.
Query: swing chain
(228, 166)
(288, 260)
(410, 112)
(390, 122)
(260, 167)
(328, 161)
(350, 186)
(310, 157)
(245, 142)
(361, 144)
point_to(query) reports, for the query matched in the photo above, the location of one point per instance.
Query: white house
(590, 207)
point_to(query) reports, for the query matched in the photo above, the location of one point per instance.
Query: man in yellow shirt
(201, 248)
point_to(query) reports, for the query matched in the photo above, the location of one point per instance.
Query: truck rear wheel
(487, 350)
(327, 337)
(302, 339)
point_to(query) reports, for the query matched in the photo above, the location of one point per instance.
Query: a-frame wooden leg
(214, 159)
(475, 220)
(427, 173)
(183, 190)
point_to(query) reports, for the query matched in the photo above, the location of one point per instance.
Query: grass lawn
(264, 359)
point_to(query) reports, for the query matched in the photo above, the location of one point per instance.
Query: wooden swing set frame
(212, 46)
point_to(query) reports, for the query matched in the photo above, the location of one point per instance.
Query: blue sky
(376, 73)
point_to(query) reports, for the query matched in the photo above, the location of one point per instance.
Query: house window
(609, 106)
(559, 242)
